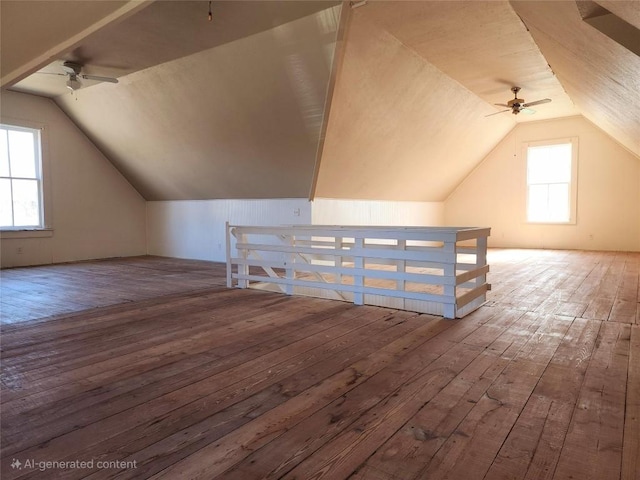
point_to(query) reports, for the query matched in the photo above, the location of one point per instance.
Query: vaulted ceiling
(391, 100)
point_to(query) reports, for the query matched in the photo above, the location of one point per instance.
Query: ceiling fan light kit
(73, 83)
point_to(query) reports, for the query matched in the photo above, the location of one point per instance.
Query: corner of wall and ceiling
(612, 138)
(88, 137)
(481, 162)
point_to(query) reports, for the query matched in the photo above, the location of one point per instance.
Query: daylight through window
(20, 178)
(550, 177)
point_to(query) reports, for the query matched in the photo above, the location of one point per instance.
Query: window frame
(573, 185)
(44, 229)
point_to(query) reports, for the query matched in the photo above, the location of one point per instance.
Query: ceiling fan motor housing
(516, 103)
(71, 68)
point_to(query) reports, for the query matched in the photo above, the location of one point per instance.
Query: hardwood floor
(151, 366)
(37, 292)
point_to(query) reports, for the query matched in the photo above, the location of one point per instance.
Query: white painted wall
(608, 208)
(94, 212)
(329, 211)
(196, 228)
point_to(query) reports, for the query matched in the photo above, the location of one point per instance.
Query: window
(551, 181)
(20, 178)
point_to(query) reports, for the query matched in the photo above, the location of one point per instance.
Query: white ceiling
(233, 108)
(34, 33)
(482, 45)
(601, 76)
(409, 121)
(210, 126)
(401, 129)
(165, 31)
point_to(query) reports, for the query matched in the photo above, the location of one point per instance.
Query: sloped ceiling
(240, 118)
(409, 119)
(400, 129)
(34, 32)
(209, 126)
(627, 10)
(234, 108)
(482, 45)
(165, 31)
(601, 76)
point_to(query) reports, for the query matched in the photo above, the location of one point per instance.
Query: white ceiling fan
(74, 72)
(518, 105)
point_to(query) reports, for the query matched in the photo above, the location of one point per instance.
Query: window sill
(551, 223)
(39, 233)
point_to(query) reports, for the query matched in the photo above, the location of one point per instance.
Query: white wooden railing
(437, 270)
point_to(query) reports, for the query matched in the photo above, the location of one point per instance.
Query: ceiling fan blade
(537, 102)
(100, 79)
(53, 73)
(502, 105)
(501, 111)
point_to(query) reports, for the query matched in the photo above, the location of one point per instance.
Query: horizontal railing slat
(393, 254)
(425, 278)
(445, 234)
(462, 300)
(471, 274)
(426, 297)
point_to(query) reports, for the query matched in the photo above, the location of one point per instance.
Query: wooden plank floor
(150, 368)
(37, 292)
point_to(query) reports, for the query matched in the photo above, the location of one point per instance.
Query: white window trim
(573, 207)
(47, 228)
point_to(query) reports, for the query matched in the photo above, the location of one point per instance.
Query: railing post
(244, 254)
(449, 289)
(337, 262)
(358, 263)
(290, 271)
(227, 232)
(481, 259)
(401, 266)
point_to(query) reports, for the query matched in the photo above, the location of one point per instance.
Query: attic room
(147, 134)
